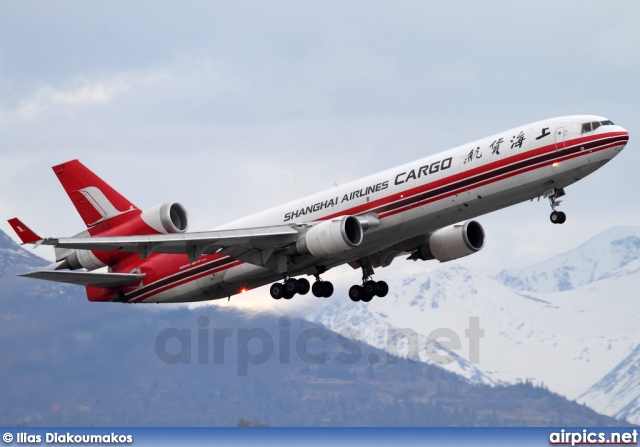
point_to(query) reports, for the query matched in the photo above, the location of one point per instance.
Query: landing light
(555, 165)
(243, 290)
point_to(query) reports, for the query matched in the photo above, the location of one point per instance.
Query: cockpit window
(588, 127)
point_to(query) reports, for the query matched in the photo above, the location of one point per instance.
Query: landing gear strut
(369, 287)
(289, 288)
(557, 217)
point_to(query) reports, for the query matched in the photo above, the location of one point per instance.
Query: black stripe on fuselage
(180, 276)
(560, 153)
(419, 197)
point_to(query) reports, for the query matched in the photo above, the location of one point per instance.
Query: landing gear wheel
(382, 288)
(370, 288)
(563, 217)
(277, 291)
(287, 295)
(292, 286)
(317, 289)
(366, 297)
(327, 289)
(303, 286)
(356, 293)
(558, 217)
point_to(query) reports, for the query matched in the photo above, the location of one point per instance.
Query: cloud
(80, 92)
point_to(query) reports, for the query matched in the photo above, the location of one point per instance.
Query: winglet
(26, 235)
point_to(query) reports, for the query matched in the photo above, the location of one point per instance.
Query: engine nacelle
(331, 237)
(167, 218)
(164, 219)
(83, 259)
(453, 242)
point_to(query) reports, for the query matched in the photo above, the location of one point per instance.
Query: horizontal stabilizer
(105, 280)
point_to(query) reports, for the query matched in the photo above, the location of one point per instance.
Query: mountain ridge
(71, 362)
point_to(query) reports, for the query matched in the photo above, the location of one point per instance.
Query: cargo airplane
(423, 210)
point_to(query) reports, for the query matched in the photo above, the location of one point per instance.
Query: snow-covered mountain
(14, 260)
(565, 322)
(618, 393)
(569, 323)
(591, 261)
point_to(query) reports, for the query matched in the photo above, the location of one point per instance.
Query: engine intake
(331, 237)
(167, 218)
(453, 242)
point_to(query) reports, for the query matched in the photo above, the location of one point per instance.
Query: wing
(86, 278)
(252, 245)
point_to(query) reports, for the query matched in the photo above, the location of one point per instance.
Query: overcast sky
(232, 107)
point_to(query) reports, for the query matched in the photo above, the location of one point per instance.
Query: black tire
(292, 286)
(303, 286)
(382, 288)
(317, 289)
(562, 217)
(287, 295)
(370, 288)
(356, 293)
(277, 291)
(555, 217)
(366, 297)
(327, 289)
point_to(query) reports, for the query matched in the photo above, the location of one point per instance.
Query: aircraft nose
(625, 137)
(625, 132)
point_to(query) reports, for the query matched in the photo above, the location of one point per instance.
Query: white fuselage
(417, 198)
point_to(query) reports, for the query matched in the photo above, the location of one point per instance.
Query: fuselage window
(586, 127)
(595, 125)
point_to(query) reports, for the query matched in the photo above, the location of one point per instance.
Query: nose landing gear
(556, 217)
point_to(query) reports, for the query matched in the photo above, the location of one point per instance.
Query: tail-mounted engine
(166, 218)
(453, 242)
(162, 219)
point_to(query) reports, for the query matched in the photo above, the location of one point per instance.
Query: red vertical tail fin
(96, 201)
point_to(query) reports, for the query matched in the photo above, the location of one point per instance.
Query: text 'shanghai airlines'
(421, 209)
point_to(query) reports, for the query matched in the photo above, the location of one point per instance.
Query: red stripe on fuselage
(407, 195)
(464, 175)
(530, 167)
(181, 278)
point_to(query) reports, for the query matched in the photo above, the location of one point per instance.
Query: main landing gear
(322, 289)
(368, 290)
(557, 217)
(291, 286)
(369, 287)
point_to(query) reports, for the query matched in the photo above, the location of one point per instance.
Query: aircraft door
(560, 133)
